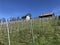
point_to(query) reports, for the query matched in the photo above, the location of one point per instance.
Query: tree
(0, 20)
(18, 18)
(3, 20)
(13, 19)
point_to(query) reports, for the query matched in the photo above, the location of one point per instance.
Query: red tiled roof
(50, 14)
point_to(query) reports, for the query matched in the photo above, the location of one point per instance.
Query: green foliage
(44, 33)
(59, 22)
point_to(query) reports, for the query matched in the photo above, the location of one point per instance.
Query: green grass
(44, 33)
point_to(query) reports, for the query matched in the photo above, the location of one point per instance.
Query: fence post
(8, 33)
(56, 23)
(31, 28)
(55, 31)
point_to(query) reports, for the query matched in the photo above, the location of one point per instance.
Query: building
(46, 15)
(27, 17)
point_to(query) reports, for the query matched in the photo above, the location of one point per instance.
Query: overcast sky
(14, 8)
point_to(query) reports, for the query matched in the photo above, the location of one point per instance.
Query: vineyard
(40, 31)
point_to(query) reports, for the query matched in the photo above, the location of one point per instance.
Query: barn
(46, 15)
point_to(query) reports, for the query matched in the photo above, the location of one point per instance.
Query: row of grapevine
(40, 31)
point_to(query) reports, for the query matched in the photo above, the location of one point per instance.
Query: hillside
(41, 31)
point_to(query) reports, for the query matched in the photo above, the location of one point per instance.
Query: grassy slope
(44, 33)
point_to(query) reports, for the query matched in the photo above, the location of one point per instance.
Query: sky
(15, 8)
